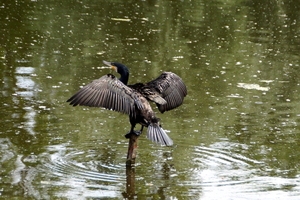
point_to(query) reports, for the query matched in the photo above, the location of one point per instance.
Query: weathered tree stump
(132, 149)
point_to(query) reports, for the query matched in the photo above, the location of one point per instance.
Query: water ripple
(215, 156)
(67, 166)
(221, 171)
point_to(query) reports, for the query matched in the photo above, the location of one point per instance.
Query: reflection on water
(214, 156)
(81, 178)
(66, 165)
(223, 173)
(26, 88)
(236, 135)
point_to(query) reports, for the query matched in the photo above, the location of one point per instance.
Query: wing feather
(171, 87)
(110, 93)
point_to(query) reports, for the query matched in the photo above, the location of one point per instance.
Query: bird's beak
(110, 65)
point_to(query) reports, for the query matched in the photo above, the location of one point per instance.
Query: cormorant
(167, 91)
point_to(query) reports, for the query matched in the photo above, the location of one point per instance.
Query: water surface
(235, 137)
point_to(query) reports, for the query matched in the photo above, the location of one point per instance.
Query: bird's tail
(156, 134)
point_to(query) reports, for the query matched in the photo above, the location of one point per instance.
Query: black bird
(167, 91)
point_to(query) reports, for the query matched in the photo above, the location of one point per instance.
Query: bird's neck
(124, 77)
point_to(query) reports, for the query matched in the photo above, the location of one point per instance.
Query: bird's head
(119, 68)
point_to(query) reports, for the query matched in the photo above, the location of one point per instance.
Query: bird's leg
(138, 133)
(141, 129)
(132, 131)
(133, 121)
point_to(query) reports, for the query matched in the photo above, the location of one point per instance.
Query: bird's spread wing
(110, 93)
(171, 88)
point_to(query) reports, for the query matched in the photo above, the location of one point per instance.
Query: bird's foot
(138, 133)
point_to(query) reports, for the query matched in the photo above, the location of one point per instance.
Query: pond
(236, 135)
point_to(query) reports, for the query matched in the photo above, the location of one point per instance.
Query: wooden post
(132, 149)
(130, 168)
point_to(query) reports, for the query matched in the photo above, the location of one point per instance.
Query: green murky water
(236, 135)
